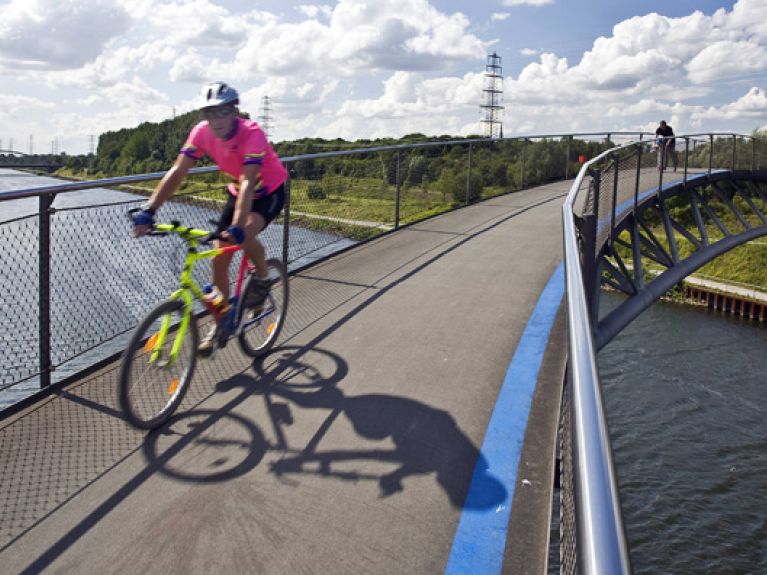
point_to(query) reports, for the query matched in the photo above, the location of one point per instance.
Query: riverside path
(405, 424)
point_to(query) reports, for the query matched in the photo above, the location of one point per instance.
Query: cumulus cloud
(313, 11)
(48, 34)
(527, 2)
(650, 64)
(500, 16)
(359, 35)
(751, 105)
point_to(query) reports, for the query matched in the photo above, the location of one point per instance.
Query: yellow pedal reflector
(173, 387)
(270, 327)
(151, 342)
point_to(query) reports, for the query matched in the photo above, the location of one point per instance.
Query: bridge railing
(608, 188)
(77, 282)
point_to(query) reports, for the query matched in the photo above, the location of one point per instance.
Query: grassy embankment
(330, 205)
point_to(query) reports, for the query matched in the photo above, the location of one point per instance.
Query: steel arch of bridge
(677, 228)
(624, 226)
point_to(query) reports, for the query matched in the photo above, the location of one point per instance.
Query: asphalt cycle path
(405, 424)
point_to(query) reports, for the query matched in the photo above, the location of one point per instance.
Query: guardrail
(94, 281)
(607, 189)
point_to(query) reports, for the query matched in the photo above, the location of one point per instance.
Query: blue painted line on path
(480, 538)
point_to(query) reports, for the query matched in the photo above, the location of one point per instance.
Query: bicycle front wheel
(260, 328)
(158, 365)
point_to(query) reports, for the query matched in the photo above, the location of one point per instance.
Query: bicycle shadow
(211, 445)
(426, 440)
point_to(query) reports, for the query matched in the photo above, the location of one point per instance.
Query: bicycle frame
(189, 290)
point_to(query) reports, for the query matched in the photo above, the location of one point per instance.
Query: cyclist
(256, 194)
(665, 137)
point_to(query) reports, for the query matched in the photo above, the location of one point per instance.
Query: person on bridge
(666, 132)
(256, 195)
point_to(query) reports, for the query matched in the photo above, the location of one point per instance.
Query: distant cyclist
(256, 194)
(664, 135)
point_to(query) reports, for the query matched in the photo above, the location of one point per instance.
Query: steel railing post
(286, 222)
(524, 159)
(686, 157)
(753, 154)
(734, 151)
(616, 176)
(468, 177)
(399, 190)
(567, 158)
(710, 152)
(638, 175)
(44, 288)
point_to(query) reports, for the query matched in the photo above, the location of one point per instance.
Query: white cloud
(726, 59)
(500, 16)
(368, 36)
(527, 2)
(752, 105)
(528, 52)
(49, 34)
(313, 11)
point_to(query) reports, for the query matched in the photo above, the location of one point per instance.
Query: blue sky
(72, 69)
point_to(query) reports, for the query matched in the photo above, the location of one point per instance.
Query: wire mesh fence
(77, 281)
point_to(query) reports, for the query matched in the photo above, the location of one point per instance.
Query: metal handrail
(123, 180)
(601, 540)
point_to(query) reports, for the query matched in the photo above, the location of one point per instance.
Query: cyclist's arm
(171, 181)
(249, 181)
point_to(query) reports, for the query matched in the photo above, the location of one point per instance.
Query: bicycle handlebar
(202, 236)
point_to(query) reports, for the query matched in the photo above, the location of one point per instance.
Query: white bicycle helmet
(218, 94)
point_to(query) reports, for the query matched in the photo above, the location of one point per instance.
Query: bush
(454, 185)
(316, 191)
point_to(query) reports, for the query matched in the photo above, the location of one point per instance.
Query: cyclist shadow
(426, 440)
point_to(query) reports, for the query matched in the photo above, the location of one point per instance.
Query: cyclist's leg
(263, 211)
(252, 246)
(220, 264)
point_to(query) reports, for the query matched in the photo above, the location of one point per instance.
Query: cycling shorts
(268, 206)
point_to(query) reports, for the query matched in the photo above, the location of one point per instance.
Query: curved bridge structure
(672, 230)
(632, 224)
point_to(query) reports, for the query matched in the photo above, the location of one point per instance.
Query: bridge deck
(351, 449)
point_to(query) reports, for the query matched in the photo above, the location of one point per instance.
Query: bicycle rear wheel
(259, 329)
(153, 380)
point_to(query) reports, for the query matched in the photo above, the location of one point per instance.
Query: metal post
(567, 158)
(44, 288)
(399, 191)
(616, 175)
(753, 154)
(638, 174)
(524, 154)
(734, 151)
(468, 178)
(710, 152)
(590, 274)
(686, 156)
(286, 222)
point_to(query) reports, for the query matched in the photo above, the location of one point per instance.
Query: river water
(686, 401)
(103, 280)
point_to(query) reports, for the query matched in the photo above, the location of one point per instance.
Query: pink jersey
(247, 146)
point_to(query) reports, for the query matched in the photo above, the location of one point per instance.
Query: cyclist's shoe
(216, 337)
(254, 300)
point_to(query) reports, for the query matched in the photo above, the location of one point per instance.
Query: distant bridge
(13, 163)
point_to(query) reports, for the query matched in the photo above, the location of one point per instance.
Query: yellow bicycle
(159, 361)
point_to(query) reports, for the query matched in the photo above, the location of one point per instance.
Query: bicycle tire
(258, 335)
(150, 391)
